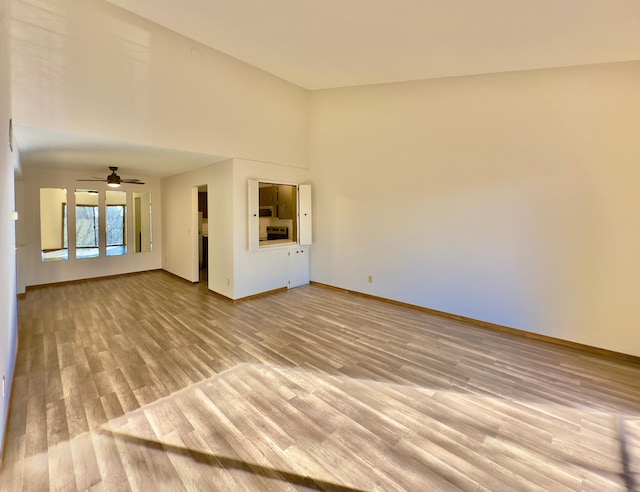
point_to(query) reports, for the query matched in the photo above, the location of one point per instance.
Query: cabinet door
(269, 196)
(285, 201)
(304, 201)
(298, 267)
(253, 219)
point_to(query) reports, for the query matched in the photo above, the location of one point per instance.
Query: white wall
(37, 272)
(234, 271)
(8, 163)
(220, 212)
(268, 268)
(89, 67)
(510, 198)
(118, 197)
(180, 212)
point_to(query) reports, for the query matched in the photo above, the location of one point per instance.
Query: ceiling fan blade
(93, 179)
(131, 181)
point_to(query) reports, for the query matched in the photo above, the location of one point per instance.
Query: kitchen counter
(275, 242)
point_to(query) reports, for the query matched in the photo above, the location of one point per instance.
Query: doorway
(203, 233)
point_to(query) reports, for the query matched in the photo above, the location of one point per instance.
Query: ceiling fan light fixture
(113, 180)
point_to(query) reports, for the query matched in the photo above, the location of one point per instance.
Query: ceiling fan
(113, 180)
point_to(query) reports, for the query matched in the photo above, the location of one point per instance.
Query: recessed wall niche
(142, 233)
(54, 236)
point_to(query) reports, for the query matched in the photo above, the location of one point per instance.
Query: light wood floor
(146, 382)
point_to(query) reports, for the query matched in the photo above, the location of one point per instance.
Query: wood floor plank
(85, 463)
(61, 473)
(109, 461)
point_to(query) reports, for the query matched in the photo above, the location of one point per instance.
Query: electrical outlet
(370, 279)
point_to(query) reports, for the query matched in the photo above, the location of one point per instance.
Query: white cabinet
(254, 219)
(299, 266)
(304, 212)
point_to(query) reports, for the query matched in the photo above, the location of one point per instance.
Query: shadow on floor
(231, 463)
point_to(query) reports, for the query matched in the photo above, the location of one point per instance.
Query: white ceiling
(332, 43)
(93, 156)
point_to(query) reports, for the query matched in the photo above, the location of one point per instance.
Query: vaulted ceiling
(335, 43)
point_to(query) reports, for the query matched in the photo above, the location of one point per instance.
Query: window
(87, 231)
(93, 231)
(279, 214)
(278, 225)
(116, 223)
